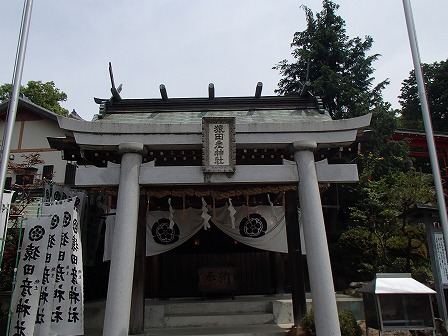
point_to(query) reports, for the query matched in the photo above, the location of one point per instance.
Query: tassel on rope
(148, 206)
(247, 207)
(184, 212)
(232, 213)
(205, 214)
(214, 207)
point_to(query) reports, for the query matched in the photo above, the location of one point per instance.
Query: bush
(5, 298)
(349, 326)
(347, 321)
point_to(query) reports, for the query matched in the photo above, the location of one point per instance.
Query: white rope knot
(232, 213)
(205, 214)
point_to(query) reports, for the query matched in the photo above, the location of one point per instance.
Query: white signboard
(219, 145)
(219, 150)
(441, 257)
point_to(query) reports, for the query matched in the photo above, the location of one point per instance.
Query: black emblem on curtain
(163, 234)
(253, 226)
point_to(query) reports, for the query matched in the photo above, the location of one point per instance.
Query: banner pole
(19, 250)
(14, 99)
(426, 119)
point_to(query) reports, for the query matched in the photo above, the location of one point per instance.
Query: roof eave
(27, 104)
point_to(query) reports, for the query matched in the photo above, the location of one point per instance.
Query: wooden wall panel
(179, 272)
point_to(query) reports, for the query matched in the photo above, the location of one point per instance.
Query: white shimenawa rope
(232, 213)
(274, 214)
(171, 214)
(205, 214)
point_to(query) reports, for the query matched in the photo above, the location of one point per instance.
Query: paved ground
(373, 332)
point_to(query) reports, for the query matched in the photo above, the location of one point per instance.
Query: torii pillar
(119, 292)
(319, 267)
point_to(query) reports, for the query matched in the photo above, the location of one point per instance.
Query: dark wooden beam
(258, 90)
(295, 257)
(137, 320)
(163, 92)
(211, 90)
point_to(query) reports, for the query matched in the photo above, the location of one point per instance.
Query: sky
(187, 44)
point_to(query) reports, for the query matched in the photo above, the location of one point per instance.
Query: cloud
(188, 44)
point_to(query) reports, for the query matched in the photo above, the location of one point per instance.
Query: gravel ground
(373, 332)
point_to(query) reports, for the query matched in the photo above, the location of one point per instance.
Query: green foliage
(9, 259)
(347, 321)
(4, 311)
(24, 197)
(337, 67)
(436, 85)
(25, 193)
(356, 253)
(46, 95)
(379, 241)
(349, 326)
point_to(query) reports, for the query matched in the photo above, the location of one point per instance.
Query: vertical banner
(67, 317)
(29, 276)
(52, 250)
(54, 192)
(45, 306)
(4, 216)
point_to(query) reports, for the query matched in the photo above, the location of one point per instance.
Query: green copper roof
(242, 117)
(246, 110)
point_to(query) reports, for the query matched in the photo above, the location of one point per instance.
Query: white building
(32, 127)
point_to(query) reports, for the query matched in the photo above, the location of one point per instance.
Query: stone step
(217, 319)
(253, 330)
(235, 306)
(278, 310)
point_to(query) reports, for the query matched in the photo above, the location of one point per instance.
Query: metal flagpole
(13, 102)
(426, 119)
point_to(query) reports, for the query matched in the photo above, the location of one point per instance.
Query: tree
(335, 67)
(379, 241)
(46, 95)
(436, 83)
(383, 154)
(26, 190)
(26, 193)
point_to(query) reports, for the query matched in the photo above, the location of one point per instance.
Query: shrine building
(214, 182)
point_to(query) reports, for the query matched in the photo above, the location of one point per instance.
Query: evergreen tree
(338, 68)
(436, 84)
(377, 240)
(331, 65)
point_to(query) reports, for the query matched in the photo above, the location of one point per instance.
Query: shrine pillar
(119, 292)
(319, 268)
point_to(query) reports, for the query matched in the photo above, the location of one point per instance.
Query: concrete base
(244, 316)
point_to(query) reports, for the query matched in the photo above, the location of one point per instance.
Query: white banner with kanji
(48, 297)
(29, 276)
(4, 215)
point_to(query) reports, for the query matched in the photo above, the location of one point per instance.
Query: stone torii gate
(136, 129)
